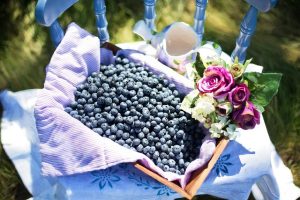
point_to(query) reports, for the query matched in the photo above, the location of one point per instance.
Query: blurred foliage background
(25, 50)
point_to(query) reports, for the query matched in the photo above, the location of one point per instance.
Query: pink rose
(239, 94)
(246, 116)
(216, 80)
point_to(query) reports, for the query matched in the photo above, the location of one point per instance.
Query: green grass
(25, 50)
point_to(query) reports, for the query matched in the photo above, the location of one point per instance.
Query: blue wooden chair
(48, 11)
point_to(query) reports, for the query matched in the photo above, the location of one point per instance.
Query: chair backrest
(48, 11)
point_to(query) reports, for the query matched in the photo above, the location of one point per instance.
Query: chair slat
(56, 33)
(101, 22)
(247, 29)
(149, 14)
(199, 17)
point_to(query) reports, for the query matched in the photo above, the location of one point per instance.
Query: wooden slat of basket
(164, 181)
(198, 177)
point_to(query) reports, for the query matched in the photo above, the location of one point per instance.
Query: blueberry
(74, 112)
(141, 135)
(140, 148)
(81, 101)
(172, 155)
(148, 124)
(101, 101)
(104, 126)
(145, 142)
(94, 123)
(169, 143)
(129, 120)
(113, 129)
(182, 171)
(108, 101)
(90, 101)
(179, 134)
(88, 108)
(153, 123)
(120, 126)
(139, 107)
(119, 119)
(186, 164)
(167, 136)
(162, 140)
(172, 163)
(112, 137)
(160, 165)
(179, 156)
(152, 149)
(110, 118)
(119, 133)
(146, 149)
(129, 141)
(125, 61)
(114, 112)
(176, 149)
(164, 161)
(125, 135)
(157, 128)
(136, 142)
(166, 168)
(108, 132)
(157, 119)
(155, 155)
(98, 116)
(150, 138)
(137, 124)
(172, 170)
(164, 147)
(158, 145)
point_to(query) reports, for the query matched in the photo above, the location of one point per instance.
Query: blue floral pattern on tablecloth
(151, 185)
(106, 177)
(222, 165)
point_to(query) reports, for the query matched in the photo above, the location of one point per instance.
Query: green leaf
(259, 107)
(216, 46)
(189, 101)
(199, 65)
(247, 63)
(264, 87)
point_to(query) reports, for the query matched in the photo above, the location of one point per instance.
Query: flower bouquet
(226, 97)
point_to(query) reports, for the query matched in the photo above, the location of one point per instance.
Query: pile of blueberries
(139, 110)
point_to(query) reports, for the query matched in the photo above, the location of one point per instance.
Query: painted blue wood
(149, 14)
(56, 33)
(101, 22)
(248, 27)
(262, 5)
(199, 17)
(47, 11)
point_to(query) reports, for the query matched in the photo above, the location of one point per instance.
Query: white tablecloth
(249, 159)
